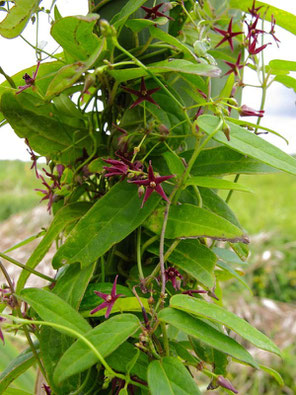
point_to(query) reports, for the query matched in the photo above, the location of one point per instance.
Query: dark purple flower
(34, 158)
(1, 333)
(227, 35)
(253, 32)
(47, 389)
(234, 67)
(30, 81)
(172, 274)
(109, 299)
(272, 31)
(143, 94)
(252, 47)
(152, 184)
(153, 13)
(60, 170)
(246, 111)
(48, 193)
(254, 11)
(121, 167)
(226, 384)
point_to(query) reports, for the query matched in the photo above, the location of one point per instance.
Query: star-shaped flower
(153, 13)
(227, 35)
(34, 158)
(234, 67)
(121, 167)
(254, 11)
(252, 29)
(152, 184)
(109, 299)
(252, 47)
(272, 31)
(48, 193)
(30, 81)
(142, 94)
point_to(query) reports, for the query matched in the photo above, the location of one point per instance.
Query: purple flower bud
(246, 111)
(226, 384)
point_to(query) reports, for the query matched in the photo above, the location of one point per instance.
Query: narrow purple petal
(113, 292)
(151, 176)
(139, 182)
(151, 91)
(101, 294)
(132, 91)
(147, 195)
(109, 308)
(100, 307)
(138, 101)
(149, 98)
(160, 179)
(2, 337)
(143, 86)
(161, 192)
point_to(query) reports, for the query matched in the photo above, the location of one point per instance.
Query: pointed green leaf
(189, 221)
(281, 65)
(15, 391)
(129, 8)
(201, 330)
(227, 256)
(287, 81)
(216, 183)
(249, 144)
(222, 160)
(232, 273)
(106, 337)
(169, 376)
(17, 18)
(274, 374)
(165, 66)
(63, 217)
(174, 163)
(121, 205)
(52, 308)
(217, 313)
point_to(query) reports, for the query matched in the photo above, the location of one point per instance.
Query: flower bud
(163, 129)
(106, 29)
(226, 384)
(141, 191)
(226, 131)
(89, 81)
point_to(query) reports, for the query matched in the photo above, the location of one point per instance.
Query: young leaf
(121, 205)
(189, 221)
(63, 217)
(217, 313)
(209, 335)
(216, 183)
(106, 337)
(169, 376)
(54, 309)
(17, 18)
(249, 144)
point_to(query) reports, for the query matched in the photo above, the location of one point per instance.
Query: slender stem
(139, 261)
(149, 242)
(29, 269)
(228, 197)
(42, 50)
(161, 248)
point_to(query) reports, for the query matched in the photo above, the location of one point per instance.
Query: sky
(280, 110)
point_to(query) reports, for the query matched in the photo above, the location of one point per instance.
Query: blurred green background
(268, 215)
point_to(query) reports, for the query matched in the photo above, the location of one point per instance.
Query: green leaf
(174, 163)
(233, 273)
(183, 353)
(287, 81)
(48, 134)
(222, 160)
(52, 308)
(136, 25)
(227, 256)
(120, 359)
(17, 18)
(121, 205)
(189, 221)
(283, 18)
(195, 259)
(76, 37)
(281, 65)
(217, 313)
(169, 376)
(273, 373)
(15, 391)
(15, 368)
(208, 334)
(241, 250)
(167, 38)
(166, 66)
(70, 286)
(249, 144)
(106, 337)
(129, 8)
(65, 216)
(216, 183)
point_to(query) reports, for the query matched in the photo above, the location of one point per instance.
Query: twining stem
(72, 332)
(19, 313)
(139, 260)
(29, 269)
